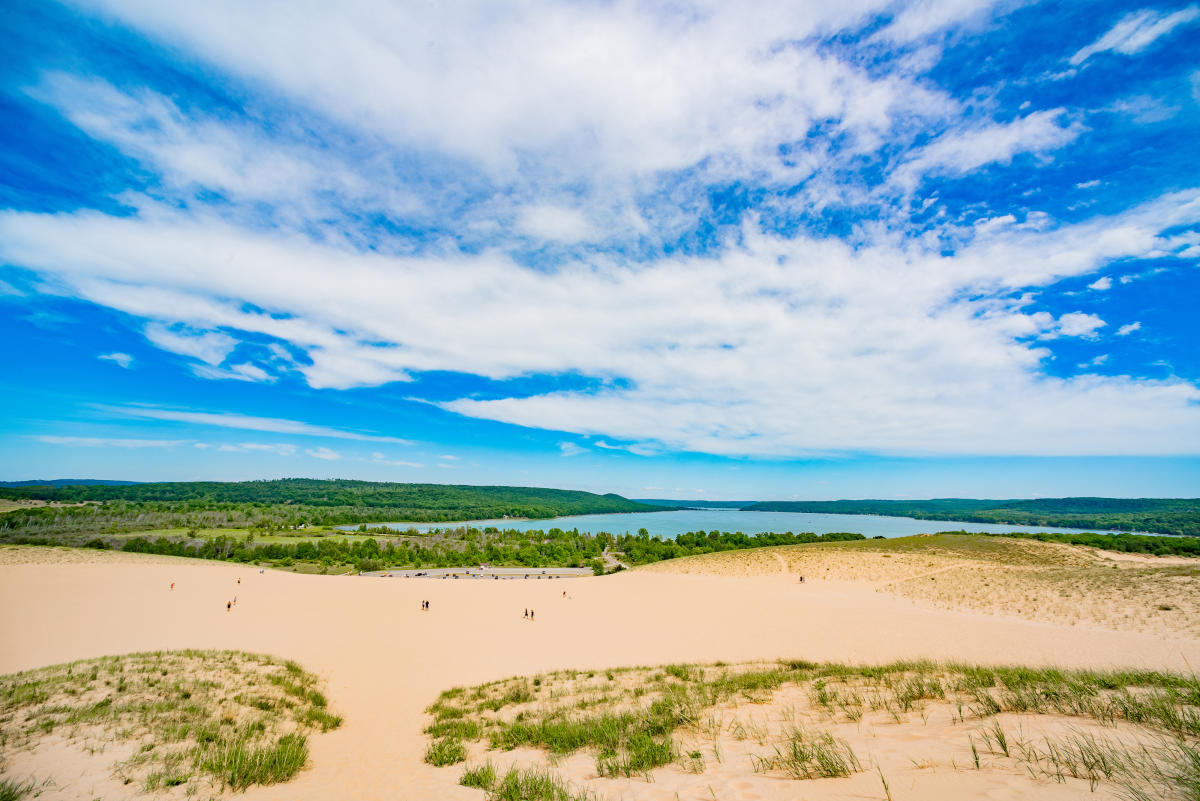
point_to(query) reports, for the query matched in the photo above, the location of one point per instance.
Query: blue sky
(765, 250)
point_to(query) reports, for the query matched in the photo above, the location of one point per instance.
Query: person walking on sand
(172, 586)
(228, 605)
(527, 614)
(530, 615)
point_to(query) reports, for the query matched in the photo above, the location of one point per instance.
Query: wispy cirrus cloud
(246, 422)
(279, 449)
(1137, 31)
(109, 442)
(122, 359)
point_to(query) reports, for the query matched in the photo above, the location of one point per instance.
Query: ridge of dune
(1026, 579)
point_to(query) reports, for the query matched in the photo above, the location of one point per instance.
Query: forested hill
(495, 501)
(62, 482)
(1157, 515)
(312, 501)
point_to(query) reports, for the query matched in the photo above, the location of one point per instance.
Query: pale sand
(1079, 587)
(385, 660)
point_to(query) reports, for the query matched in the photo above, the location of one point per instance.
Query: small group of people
(424, 606)
(529, 614)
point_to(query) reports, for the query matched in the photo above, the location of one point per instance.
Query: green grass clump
(13, 790)
(456, 729)
(482, 776)
(446, 751)
(535, 785)
(238, 764)
(636, 756)
(808, 755)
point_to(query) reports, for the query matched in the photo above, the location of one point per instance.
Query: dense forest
(456, 501)
(1156, 515)
(282, 505)
(461, 546)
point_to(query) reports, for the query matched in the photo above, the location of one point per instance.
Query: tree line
(1179, 516)
(436, 502)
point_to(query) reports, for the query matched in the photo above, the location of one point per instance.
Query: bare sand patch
(384, 660)
(56, 555)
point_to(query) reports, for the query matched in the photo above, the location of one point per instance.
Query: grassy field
(185, 722)
(1136, 732)
(8, 505)
(1025, 578)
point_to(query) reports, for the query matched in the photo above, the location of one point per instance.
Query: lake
(672, 524)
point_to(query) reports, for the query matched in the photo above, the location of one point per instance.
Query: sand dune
(1014, 578)
(385, 660)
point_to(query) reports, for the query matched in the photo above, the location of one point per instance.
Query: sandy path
(385, 660)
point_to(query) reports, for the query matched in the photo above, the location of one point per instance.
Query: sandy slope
(1015, 578)
(385, 660)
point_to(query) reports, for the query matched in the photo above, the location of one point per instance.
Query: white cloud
(1101, 284)
(280, 449)
(772, 346)
(1128, 329)
(963, 150)
(123, 359)
(380, 458)
(1137, 31)
(1079, 324)
(1096, 362)
(110, 442)
(560, 89)
(323, 453)
(568, 117)
(193, 153)
(246, 422)
(570, 449)
(237, 372)
(920, 18)
(209, 347)
(555, 223)
(1088, 184)
(1143, 109)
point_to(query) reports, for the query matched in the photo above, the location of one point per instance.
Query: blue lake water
(671, 524)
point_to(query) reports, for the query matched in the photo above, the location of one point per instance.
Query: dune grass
(522, 785)
(13, 790)
(808, 755)
(195, 718)
(634, 720)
